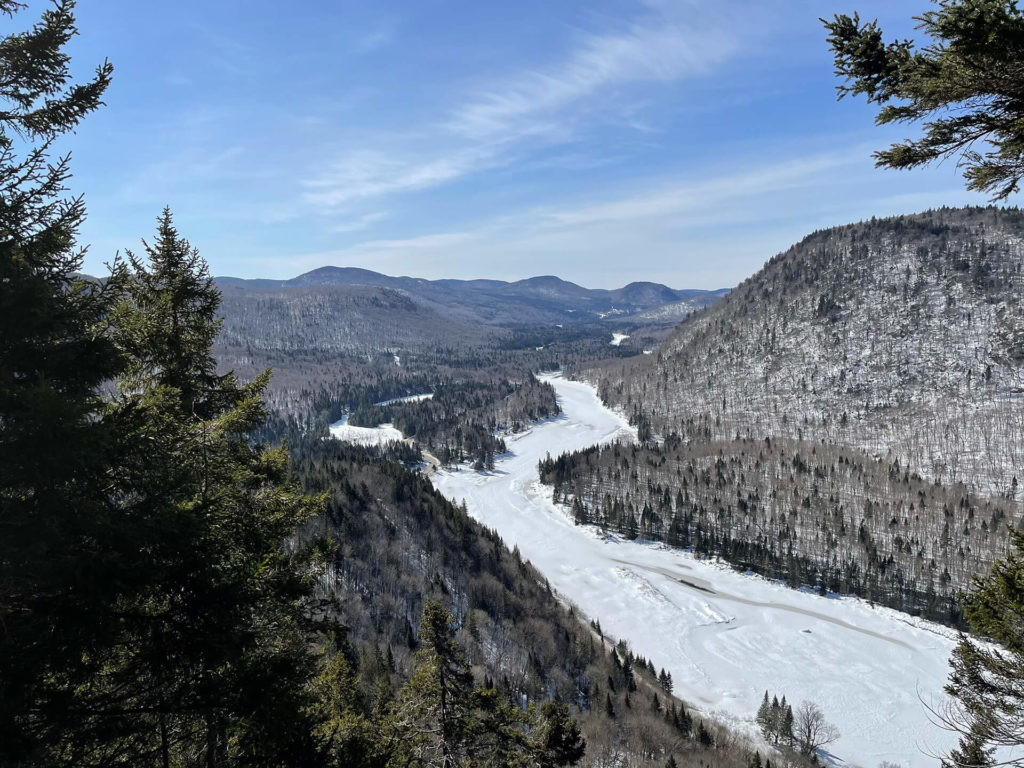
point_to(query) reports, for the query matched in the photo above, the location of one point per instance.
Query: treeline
(316, 382)
(813, 515)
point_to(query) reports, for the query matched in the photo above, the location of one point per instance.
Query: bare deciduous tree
(810, 729)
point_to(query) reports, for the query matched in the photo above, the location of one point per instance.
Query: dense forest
(350, 350)
(811, 514)
(900, 336)
(400, 544)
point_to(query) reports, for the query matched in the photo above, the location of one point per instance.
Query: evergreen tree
(987, 682)
(214, 630)
(346, 736)
(964, 84)
(665, 681)
(685, 723)
(765, 719)
(439, 718)
(786, 725)
(555, 740)
(55, 353)
(704, 736)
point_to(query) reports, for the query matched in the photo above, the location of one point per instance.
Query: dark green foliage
(775, 719)
(55, 351)
(966, 84)
(986, 681)
(215, 621)
(441, 718)
(704, 737)
(557, 740)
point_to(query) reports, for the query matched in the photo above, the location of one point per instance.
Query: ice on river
(726, 637)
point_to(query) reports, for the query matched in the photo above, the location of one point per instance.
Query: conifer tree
(55, 353)
(704, 736)
(765, 719)
(215, 629)
(964, 84)
(440, 718)
(987, 682)
(555, 740)
(345, 735)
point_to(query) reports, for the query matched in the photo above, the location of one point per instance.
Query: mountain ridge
(879, 335)
(538, 299)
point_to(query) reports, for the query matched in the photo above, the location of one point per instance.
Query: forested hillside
(341, 319)
(400, 543)
(809, 513)
(849, 417)
(535, 300)
(902, 336)
(343, 349)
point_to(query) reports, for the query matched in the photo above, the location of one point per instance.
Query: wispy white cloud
(519, 112)
(417, 244)
(652, 220)
(657, 48)
(360, 223)
(682, 197)
(376, 38)
(368, 173)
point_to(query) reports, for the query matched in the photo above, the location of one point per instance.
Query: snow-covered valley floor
(726, 637)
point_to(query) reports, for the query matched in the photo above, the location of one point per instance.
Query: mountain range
(535, 300)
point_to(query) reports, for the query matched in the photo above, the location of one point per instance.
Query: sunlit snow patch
(618, 338)
(408, 399)
(385, 433)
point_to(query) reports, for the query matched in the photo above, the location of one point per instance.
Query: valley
(724, 636)
(264, 505)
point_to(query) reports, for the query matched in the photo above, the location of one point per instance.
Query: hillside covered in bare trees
(849, 417)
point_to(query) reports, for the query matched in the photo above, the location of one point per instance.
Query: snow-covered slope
(726, 637)
(380, 435)
(900, 336)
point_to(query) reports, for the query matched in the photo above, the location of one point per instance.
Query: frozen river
(726, 637)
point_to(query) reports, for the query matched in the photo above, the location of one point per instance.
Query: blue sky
(678, 141)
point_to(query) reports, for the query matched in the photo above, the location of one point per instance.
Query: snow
(618, 338)
(408, 399)
(725, 637)
(385, 433)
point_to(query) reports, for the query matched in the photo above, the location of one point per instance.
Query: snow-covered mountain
(545, 299)
(903, 337)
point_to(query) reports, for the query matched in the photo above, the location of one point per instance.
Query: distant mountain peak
(533, 300)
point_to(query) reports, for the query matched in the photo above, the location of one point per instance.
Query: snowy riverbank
(724, 636)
